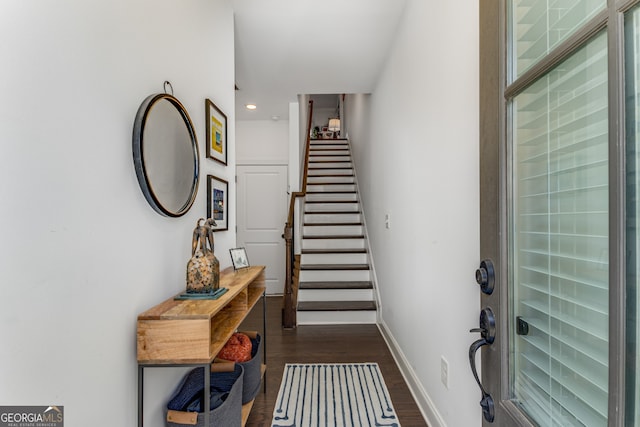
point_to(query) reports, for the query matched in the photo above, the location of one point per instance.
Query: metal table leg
(207, 393)
(207, 389)
(140, 395)
(264, 337)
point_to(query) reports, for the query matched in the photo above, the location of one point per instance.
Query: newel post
(288, 311)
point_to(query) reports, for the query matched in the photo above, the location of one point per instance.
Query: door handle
(487, 331)
(486, 276)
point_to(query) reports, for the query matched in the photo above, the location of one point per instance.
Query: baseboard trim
(424, 402)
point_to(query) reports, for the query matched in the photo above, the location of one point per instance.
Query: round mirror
(165, 155)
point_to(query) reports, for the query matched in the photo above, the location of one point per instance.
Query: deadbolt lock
(486, 276)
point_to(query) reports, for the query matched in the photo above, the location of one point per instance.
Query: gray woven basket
(229, 413)
(252, 371)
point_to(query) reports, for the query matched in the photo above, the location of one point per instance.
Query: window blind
(540, 25)
(559, 249)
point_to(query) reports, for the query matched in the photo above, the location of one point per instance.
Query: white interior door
(262, 212)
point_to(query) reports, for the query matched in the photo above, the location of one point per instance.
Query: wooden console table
(192, 332)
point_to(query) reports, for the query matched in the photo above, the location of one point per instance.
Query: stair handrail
(289, 303)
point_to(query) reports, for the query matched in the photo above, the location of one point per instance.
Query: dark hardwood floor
(324, 344)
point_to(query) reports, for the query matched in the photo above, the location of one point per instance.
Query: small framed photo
(218, 202)
(239, 258)
(216, 133)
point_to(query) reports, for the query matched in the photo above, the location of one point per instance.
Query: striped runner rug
(342, 395)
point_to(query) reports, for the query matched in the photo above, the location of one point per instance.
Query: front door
(553, 212)
(262, 212)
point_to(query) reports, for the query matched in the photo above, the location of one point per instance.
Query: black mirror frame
(138, 154)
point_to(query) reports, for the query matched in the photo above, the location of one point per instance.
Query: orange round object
(237, 349)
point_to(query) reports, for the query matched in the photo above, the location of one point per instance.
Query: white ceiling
(284, 48)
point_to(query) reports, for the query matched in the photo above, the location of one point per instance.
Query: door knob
(486, 276)
(487, 331)
(487, 327)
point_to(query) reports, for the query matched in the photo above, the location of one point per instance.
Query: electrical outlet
(444, 371)
(387, 221)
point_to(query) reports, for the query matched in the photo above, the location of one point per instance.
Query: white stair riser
(332, 165)
(332, 207)
(317, 151)
(325, 158)
(333, 244)
(316, 172)
(332, 230)
(337, 258)
(335, 295)
(328, 218)
(336, 146)
(331, 187)
(334, 276)
(335, 317)
(330, 179)
(332, 197)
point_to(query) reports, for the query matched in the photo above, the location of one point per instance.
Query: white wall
(262, 142)
(295, 146)
(358, 129)
(420, 165)
(81, 251)
(321, 116)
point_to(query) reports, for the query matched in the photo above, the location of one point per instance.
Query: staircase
(334, 278)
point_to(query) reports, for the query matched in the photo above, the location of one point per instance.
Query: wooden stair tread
(335, 236)
(330, 175)
(332, 192)
(331, 201)
(334, 251)
(330, 212)
(331, 141)
(329, 183)
(335, 285)
(336, 305)
(331, 224)
(334, 267)
(320, 147)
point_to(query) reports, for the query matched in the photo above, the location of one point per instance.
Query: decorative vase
(203, 269)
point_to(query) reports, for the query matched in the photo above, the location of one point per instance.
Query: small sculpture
(203, 269)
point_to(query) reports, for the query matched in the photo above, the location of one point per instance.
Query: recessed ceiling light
(251, 106)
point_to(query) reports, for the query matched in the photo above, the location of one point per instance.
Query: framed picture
(239, 258)
(218, 202)
(216, 132)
